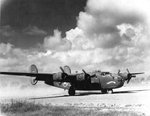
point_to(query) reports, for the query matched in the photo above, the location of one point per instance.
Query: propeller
(62, 69)
(119, 71)
(87, 75)
(130, 75)
(85, 72)
(64, 75)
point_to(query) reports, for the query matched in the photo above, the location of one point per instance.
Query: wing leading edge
(27, 74)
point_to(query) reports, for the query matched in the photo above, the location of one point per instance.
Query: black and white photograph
(74, 57)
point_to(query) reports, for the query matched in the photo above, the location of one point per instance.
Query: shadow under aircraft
(97, 80)
(86, 93)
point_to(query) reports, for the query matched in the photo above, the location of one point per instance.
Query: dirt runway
(132, 98)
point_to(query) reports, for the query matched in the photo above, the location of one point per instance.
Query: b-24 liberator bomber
(104, 81)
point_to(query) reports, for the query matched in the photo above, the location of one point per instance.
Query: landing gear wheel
(71, 91)
(110, 91)
(104, 91)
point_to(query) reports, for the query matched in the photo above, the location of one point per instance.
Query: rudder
(67, 69)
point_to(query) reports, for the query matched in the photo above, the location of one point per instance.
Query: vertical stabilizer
(33, 69)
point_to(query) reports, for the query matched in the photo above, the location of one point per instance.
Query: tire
(104, 91)
(110, 91)
(71, 91)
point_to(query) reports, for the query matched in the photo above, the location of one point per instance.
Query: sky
(29, 21)
(91, 34)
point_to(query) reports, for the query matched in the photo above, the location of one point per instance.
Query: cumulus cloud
(109, 35)
(5, 48)
(119, 29)
(17, 59)
(78, 39)
(101, 19)
(6, 58)
(56, 42)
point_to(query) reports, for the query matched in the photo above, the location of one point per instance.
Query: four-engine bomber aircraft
(104, 81)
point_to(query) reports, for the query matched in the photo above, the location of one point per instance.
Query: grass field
(24, 108)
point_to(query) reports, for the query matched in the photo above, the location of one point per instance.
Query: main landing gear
(71, 91)
(107, 91)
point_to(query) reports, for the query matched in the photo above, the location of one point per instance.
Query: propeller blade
(62, 69)
(128, 80)
(128, 70)
(118, 71)
(137, 73)
(84, 71)
(133, 76)
(130, 75)
(64, 75)
(87, 75)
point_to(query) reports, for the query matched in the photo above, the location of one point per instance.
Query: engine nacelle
(58, 76)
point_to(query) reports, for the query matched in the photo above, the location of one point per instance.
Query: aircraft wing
(26, 74)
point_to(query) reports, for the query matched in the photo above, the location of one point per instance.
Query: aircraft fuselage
(81, 82)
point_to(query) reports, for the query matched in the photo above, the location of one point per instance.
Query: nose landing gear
(110, 91)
